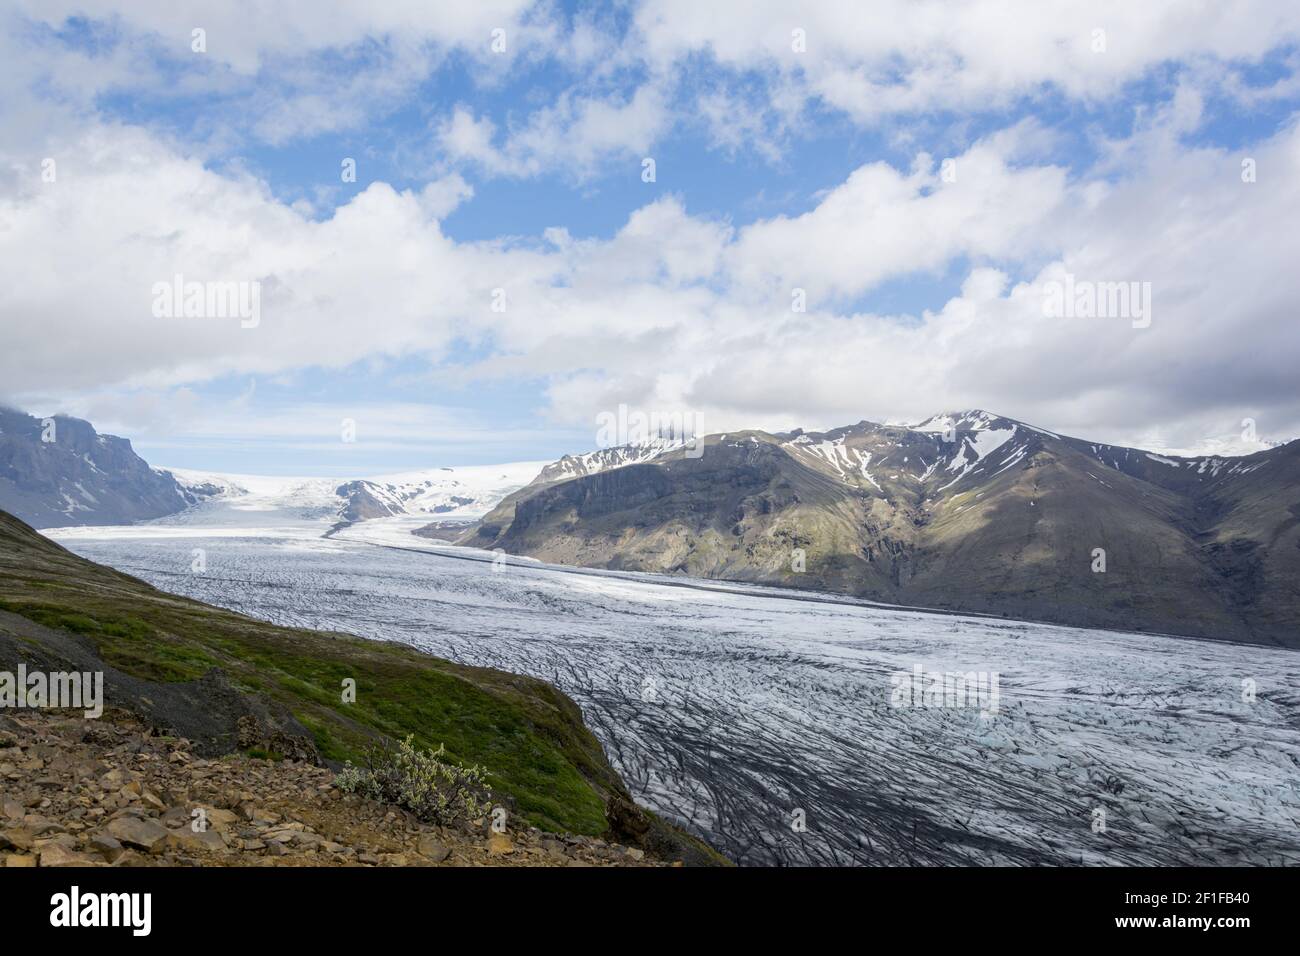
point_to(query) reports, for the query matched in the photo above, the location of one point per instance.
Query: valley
(737, 710)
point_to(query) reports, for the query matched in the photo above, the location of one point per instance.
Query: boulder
(187, 839)
(141, 833)
(110, 848)
(16, 838)
(432, 848)
(500, 844)
(56, 854)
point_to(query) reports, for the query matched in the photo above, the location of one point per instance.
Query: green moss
(328, 745)
(257, 753)
(128, 644)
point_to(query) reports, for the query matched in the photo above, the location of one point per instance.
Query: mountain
(449, 493)
(456, 494)
(967, 510)
(65, 473)
(60, 471)
(603, 459)
(561, 470)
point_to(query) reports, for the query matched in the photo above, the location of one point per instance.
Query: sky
(743, 214)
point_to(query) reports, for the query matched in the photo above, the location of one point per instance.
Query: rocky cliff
(60, 471)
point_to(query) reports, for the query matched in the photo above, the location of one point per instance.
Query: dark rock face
(457, 501)
(364, 500)
(210, 711)
(599, 495)
(78, 476)
(979, 513)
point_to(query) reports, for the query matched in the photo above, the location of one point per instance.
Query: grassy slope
(528, 734)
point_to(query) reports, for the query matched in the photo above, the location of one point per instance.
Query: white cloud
(284, 70)
(273, 72)
(678, 309)
(465, 137)
(881, 223)
(575, 135)
(1221, 346)
(251, 37)
(81, 256)
(901, 56)
(440, 197)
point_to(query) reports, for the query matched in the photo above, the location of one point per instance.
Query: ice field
(763, 720)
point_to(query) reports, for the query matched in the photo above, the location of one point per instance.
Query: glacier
(761, 718)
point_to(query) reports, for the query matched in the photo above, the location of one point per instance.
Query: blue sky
(776, 170)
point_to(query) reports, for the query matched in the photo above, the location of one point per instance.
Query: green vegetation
(529, 735)
(421, 781)
(257, 753)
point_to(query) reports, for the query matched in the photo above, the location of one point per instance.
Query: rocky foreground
(108, 792)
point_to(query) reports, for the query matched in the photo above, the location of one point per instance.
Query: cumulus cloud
(273, 73)
(882, 223)
(675, 309)
(681, 310)
(127, 212)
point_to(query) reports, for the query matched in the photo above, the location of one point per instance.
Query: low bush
(422, 781)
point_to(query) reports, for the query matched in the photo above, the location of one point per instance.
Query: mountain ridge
(968, 511)
(69, 474)
(60, 471)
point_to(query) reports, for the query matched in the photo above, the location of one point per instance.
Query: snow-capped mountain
(445, 493)
(953, 449)
(604, 459)
(245, 497)
(967, 510)
(449, 493)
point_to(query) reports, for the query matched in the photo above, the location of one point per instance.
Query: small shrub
(260, 753)
(421, 781)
